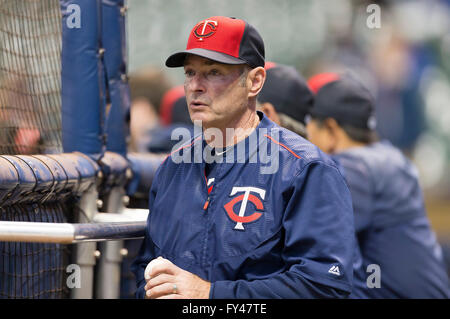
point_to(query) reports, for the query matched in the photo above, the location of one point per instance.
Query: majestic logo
(334, 270)
(244, 198)
(205, 29)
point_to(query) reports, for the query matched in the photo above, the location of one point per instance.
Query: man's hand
(167, 281)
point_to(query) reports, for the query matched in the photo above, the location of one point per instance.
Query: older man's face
(216, 93)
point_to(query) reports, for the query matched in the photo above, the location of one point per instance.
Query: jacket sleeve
(318, 242)
(147, 250)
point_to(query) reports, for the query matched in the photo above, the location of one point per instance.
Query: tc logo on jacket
(244, 198)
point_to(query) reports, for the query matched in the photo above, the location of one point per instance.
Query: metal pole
(108, 270)
(37, 232)
(85, 253)
(127, 215)
(64, 233)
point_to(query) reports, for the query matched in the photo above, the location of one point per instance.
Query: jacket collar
(250, 144)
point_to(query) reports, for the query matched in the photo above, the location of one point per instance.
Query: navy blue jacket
(391, 224)
(295, 238)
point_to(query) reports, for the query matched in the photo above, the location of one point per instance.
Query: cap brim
(177, 59)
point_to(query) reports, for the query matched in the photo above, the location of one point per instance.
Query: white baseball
(152, 264)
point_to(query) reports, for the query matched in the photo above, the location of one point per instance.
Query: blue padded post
(83, 82)
(114, 42)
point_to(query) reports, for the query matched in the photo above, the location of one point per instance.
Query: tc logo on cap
(205, 29)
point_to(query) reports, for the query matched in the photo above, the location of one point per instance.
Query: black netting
(30, 76)
(34, 270)
(30, 123)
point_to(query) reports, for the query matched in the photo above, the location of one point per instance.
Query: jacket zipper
(208, 191)
(205, 209)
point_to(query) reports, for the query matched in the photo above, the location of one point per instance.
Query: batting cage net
(62, 153)
(30, 123)
(30, 77)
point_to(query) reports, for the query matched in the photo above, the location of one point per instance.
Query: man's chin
(206, 120)
(199, 119)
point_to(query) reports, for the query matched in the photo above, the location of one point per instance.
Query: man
(398, 246)
(285, 97)
(231, 229)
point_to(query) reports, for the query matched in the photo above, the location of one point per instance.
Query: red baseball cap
(317, 81)
(174, 109)
(225, 40)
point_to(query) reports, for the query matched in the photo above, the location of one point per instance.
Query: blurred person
(391, 66)
(28, 140)
(173, 114)
(398, 68)
(149, 83)
(143, 119)
(285, 97)
(299, 243)
(18, 135)
(147, 88)
(391, 225)
(174, 108)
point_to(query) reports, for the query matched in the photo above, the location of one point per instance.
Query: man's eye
(189, 73)
(214, 72)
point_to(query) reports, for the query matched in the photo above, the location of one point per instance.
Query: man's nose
(196, 83)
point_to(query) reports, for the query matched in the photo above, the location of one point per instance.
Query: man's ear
(255, 81)
(333, 129)
(270, 111)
